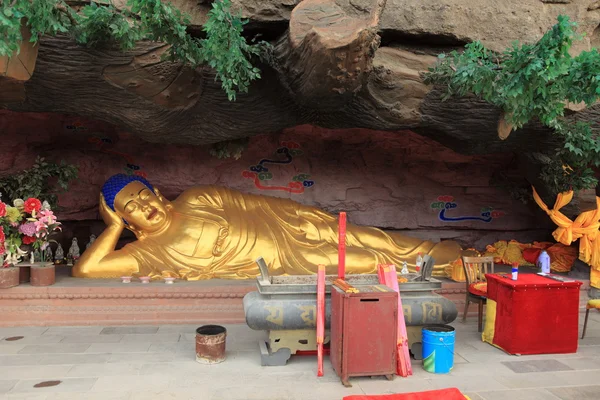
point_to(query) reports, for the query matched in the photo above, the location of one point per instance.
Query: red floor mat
(445, 394)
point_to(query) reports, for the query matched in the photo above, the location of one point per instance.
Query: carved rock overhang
(338, 64)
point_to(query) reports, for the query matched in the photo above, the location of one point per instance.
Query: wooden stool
(592, 304)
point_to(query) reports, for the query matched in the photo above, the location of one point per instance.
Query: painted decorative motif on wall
(446, 203)
(260, 174)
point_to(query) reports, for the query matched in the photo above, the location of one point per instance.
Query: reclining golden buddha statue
(214, 232)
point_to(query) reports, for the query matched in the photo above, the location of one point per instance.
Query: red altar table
(532, 315)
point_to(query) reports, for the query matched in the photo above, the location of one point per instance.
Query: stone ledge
(108, 302)
(74, 301)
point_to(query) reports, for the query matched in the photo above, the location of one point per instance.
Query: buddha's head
(134, 199)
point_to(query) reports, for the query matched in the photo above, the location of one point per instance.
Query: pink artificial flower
(2, 209)
(28, 229)
(40, 226)
(2, 236)
(2, 250)
(48, 217)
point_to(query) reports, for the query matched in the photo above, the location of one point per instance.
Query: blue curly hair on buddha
(116, 183)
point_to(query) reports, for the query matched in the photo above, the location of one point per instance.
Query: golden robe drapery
(236, 228)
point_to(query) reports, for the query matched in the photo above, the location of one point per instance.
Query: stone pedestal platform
(74, 301)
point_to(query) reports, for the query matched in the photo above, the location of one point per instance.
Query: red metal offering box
(364, 332)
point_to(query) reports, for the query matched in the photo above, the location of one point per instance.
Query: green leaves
(35, 182)
(534, 82)
(104, 24)
(224, 49)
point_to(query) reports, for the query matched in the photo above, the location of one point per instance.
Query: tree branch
(66, 10)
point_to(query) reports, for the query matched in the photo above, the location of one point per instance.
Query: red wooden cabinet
(364, 332)
(534, 314)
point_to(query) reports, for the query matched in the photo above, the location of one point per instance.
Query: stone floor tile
(580, 353)
(473, 396)
(156, 338)
(105, 369)
(140, 358)
(10, 360)
(43, 339)
(25, 396)
(129, 330)
(458, 359)
(114, 348)
(591, 332)
(579, 378)
(22, 331)
(576, 392)
(92, 338)
(266, 376)
(89, 396)
(195, 394)
(468, 369)
(520, 394)
(259, 393)
(587, 351)
(131, 383)
(536, 366)
(62, 348)
(589, 341)
(66, 385)
(324, 391)
(14, 349)
(189, 337)
(467, 384)
(484, 354)
(532, 380)
(582, 363)
(36, 372)
(7, 384)
(74, 330)
(73, 359)
(172, 347)
(184, 356)
(159, 368)
(181, 329)
(381, 385)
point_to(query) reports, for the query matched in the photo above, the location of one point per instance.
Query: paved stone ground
(157, 362)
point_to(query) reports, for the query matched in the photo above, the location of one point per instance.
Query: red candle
(320, 317)
(342, 246)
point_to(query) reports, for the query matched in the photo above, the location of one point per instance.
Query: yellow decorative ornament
(585, 227)
(214, 232)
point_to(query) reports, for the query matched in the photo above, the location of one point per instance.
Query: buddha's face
(141, 208)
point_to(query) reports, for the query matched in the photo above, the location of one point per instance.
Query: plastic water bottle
(515, 271)
(543, 262)
(419, 261)
(404, 270)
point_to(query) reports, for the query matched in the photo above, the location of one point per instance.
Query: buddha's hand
(110, 217)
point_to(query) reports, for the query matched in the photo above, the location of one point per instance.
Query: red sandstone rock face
(385, 179)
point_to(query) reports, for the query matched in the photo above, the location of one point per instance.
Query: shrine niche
(341, 120)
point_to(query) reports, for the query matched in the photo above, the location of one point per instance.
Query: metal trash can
(210, 344)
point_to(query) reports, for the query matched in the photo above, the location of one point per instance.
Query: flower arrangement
(26, 222)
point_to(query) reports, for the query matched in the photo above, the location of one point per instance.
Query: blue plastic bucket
(438, 348)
